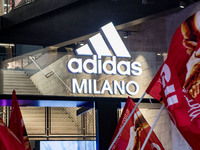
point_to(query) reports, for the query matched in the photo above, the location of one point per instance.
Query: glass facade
(46, 72)
(57, 71)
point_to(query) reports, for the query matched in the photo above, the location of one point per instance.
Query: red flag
(8, 141)
(178, 79)
(183, 55)
(135, 131)
(17, 124)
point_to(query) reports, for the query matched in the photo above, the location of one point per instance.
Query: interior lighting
(125, 35)
(182, 4)
(5, 44)
(81, 43)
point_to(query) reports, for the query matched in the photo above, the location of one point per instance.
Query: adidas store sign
(97, 65)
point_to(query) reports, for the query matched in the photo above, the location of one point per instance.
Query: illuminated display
(103, 62)
(68, 145)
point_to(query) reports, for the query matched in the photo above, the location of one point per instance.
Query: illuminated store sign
(97, 64)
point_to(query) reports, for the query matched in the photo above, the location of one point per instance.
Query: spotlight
(126, 34)
(81, 43)
(182, 4)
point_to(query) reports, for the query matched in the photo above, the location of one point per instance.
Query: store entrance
(81, 120)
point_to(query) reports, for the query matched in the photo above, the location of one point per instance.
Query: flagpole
(127, 121)
(151, 130)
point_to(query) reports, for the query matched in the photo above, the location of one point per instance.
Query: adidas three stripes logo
(102, 48)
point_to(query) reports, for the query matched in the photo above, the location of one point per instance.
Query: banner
(178, 79)
(134, 133)
(17, 124)
(184, 56)
(8, 141)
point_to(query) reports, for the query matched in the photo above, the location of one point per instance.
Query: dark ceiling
(49, 22)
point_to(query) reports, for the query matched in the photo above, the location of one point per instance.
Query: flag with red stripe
(8, 140)
(135, 131)
(177, 82)
(17, 124)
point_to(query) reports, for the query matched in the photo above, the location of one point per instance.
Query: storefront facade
(78, 95)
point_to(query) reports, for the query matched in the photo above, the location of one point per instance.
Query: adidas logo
(100, 47)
